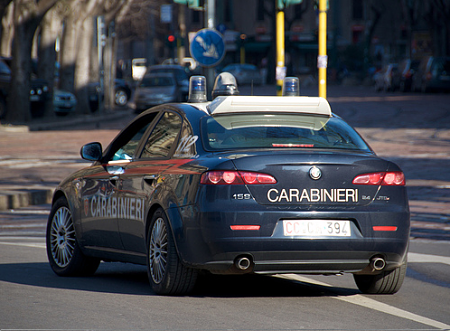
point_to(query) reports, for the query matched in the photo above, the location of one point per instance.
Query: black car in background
(39, 91)
(122, 93)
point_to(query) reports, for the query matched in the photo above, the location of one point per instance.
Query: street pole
(281, 69)
(210, 24)
(322, 59)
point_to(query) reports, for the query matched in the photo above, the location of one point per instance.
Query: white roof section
(270, 104)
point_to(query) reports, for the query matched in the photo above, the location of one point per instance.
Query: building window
(298, 11)
(195, 16)
(228, 11)
(358, 9)
(260, 10)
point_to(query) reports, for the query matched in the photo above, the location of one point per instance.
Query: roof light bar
(270, 104)
(291, 87)
(224, 85)
(197, 89)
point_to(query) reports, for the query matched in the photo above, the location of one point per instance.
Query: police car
(242, 184)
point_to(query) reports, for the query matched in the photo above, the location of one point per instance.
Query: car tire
(386, 282)
(166, 273)
(63, 251)
(121, 97)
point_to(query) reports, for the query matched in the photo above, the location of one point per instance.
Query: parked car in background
(122, 93)
(64, 102)
(244, 73)
(407, 69)
(39, 91)
(388, 79)
(433, 74)
(155, 89)
(180, 74)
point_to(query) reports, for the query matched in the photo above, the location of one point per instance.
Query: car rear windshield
(243, 131)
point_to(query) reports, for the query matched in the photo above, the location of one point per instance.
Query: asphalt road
(118, 297)
(411, 129)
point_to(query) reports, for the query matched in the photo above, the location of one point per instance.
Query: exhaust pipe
(242, 263)
(377, 263)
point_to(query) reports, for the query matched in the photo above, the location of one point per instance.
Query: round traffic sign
(207, 47)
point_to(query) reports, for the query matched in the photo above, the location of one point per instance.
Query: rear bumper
(206, 241)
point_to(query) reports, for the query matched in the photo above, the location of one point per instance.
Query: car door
(141, 179)
(101, 191)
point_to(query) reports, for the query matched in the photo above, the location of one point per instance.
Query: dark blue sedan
(239, 185)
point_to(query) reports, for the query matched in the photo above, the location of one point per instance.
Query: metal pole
(322, 59)
(281, 69)
(210, 24)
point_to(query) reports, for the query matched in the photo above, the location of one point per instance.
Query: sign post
(322, 58)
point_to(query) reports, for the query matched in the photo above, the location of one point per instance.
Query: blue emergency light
(291, 87)
(197, 89)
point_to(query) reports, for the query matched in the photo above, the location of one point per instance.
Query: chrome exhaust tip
(377, 263)
(242, 263)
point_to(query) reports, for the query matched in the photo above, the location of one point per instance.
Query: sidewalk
(22, 145)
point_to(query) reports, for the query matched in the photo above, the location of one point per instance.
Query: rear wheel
(167, 275)
(64, 254)
(387, 282)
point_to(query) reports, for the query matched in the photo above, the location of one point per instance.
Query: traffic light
(171, 41)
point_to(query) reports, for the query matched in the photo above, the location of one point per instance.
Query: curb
(21, 197)
(57, 123)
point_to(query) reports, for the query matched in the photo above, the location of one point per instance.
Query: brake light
(393, 178)
(221, 177)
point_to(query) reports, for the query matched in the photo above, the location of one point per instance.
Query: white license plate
(317, 228)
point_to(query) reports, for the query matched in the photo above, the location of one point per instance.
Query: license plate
(317, 228)
(34, 98)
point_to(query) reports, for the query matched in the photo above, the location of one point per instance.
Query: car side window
(125, 146)
(126, 152)
(163, 137)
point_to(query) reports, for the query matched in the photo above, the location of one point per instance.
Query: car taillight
(225, 177)
(393, 178)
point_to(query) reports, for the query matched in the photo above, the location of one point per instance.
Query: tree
(49, 30)
(110, 10)
(28, 14)
(6, 12)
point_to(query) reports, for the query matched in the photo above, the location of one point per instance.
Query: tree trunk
(27, 17)
(50, 27)
(82, 66)
(7, 30)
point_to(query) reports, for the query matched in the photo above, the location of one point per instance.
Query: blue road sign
(207, 47)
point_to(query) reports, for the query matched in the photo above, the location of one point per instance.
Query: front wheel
(63, 252)
(167, 275)
(386, 282)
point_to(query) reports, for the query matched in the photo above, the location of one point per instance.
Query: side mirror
(92, 151)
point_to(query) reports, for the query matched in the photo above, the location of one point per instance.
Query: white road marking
(34, 245)
(363, 301)
(427, 258)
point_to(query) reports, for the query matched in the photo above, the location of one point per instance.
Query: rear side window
(163, 137)
(245, 131)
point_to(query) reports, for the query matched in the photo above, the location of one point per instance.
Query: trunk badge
(315, 173)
